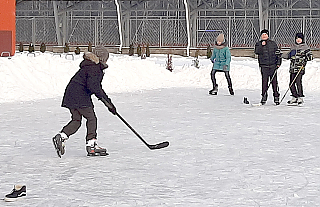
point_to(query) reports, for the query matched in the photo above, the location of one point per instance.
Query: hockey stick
(152, 147)
(292, 83)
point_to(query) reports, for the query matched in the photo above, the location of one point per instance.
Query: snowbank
(44, 76)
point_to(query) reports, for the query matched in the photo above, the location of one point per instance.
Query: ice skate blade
(56, 146)
(295, 104)
(213, 94)
(97, 154)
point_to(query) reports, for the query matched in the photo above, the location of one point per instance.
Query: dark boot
(276, 100)
(264, 99)
(231, 91)
(214, 91)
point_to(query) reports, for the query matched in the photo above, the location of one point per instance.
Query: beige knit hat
(220, 38)
(102, 53)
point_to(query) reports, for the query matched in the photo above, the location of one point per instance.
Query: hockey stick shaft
(157, 146)
(291, 84)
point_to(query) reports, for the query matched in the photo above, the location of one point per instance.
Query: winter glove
(225, 67)
(112, 109)
(110, 106)
(307, 55)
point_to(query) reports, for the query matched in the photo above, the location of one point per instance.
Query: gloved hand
(212, 60)
(110, 106)
(225, 67)
(112, 109)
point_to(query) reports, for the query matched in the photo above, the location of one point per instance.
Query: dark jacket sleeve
(278, 55)
(94, 83)
(258, 48)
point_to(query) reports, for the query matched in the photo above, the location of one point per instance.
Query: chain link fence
(240, 32)
(159, 32)
(244, 32)
(283, 31)
(36, 29)
(209, 29)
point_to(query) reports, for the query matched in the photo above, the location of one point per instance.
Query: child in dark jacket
(299, 55)
(77, 98)
(269, 57)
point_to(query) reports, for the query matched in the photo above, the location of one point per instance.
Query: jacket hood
(90, 56)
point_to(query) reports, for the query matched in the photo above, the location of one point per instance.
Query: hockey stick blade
(256, 104)
(159, 146)
(151, 147)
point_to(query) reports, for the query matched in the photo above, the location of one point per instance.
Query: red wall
(7, 26)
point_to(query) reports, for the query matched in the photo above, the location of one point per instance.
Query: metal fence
(159, 32)
(284, 30)
(167, 32)
(239, 32)
(36, 30)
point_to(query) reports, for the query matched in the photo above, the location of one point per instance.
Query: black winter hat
(265, 31)
(300, 35)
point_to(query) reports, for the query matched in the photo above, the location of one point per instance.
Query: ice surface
(222, 152)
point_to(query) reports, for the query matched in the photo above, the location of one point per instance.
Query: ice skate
(276, 100)
(94, 150)
(18, 191)
(59, 143)
(293, 101)
(214, 91)
(264, 99)
(300, 101)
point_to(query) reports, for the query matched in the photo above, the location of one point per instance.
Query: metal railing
(240, 32)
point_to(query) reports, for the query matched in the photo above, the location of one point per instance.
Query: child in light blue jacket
(221, 58)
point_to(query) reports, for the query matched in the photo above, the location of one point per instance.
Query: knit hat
(264, 31)
(101, 52)
(300, 35)
(220, 38)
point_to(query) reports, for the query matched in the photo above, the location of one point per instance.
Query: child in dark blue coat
(77, 98)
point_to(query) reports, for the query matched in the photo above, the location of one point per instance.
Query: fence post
(160, 35)
(229, 33)
(304, 24)
(33, 31)
(95, 31)
(188, 25)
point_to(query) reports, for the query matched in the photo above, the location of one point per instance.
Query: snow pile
(44, 76)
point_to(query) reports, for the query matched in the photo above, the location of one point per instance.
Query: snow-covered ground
(222, 152)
